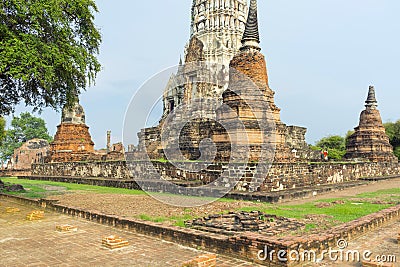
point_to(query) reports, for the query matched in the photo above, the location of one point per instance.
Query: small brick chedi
(72, 141)
(370, 140)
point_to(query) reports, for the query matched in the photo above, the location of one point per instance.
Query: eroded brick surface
(36, 243)
(370, 140)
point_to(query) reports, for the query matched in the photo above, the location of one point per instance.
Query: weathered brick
(206, 260)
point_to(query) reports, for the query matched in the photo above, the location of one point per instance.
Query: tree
(48, 52)
(23, 129)
(335, 144)
(393, 131)
(2, 129)
(348, 134)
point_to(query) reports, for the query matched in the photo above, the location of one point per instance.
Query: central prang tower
(217, 28)
(224, 45)
(219, 25)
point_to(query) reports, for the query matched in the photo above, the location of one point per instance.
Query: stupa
(370, 141)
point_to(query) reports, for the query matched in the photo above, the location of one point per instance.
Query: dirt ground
(135, 206)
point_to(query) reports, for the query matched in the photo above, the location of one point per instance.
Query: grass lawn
(335, 214)
(36, 189)
(346, 212)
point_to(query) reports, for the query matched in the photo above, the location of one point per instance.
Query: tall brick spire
(371, 102)
(251, 36)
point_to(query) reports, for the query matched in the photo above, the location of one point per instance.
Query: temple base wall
(280, 176)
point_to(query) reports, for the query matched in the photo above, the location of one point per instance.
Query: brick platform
(243, 245)
(114, 242)
(38, 244)
(206, 260)
(12, 210)
(35, 215)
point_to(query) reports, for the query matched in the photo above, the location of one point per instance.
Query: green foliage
(315, 148)
(335, 144)
(2, 129)
(393, 131)
(336, 154)
(397, 152)
(349, 133)
(48, 51)
(23, 129)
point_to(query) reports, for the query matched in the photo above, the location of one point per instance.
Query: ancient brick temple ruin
(72, 141)
(223, 57)
(370, 140)
(248, 103)
(218, 102)
(33, 151)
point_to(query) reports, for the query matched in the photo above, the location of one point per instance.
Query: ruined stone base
(66, 228)
(35, 215)
(236, 222)
(114, 242)
(207, 260)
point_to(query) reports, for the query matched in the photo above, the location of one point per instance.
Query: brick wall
(280, 176)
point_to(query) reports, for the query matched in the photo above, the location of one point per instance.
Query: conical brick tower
(251, 105)
(370, 140)
(72, 141)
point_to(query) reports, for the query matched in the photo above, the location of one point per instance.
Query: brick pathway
(382, 242)
(36, 243)
(25, 243)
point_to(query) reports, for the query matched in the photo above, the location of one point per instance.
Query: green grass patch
(340, 212)
(309, 227)
(174, 220)
(35, 186)
(380, 193)
(32, 192)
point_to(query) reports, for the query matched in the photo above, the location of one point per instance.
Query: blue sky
(321, 57)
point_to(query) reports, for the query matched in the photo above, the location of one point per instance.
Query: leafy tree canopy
(2, 129)
(48, 52)
(23, 129)
(333, 141)
(393, 131)
(334, 144)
